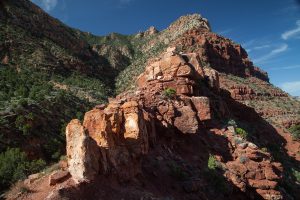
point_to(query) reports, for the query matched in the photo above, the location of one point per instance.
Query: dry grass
(17, 190)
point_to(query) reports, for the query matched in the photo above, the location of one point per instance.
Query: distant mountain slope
(32, 38)
(48, 75)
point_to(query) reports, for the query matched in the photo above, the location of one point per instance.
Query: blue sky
(268, 29)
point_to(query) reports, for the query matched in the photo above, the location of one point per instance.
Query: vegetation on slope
(34, 112)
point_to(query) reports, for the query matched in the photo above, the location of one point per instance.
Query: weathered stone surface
(222, 54)
(270, 194)
(98, 124)
(202, 106)
(269, 173)
(184, 71)
(253, 168)
(58, 177)
(135, 126)
(151, 31)
(186, 121)
(82, 153)
(213, 78)
(262, 184)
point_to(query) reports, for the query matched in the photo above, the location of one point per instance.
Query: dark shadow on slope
(178, 167)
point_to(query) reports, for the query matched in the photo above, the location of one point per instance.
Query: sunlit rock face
(82, 153)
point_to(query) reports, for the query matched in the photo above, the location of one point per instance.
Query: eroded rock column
(82, 153)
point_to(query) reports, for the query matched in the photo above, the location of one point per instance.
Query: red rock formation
(251, 167)
(220, 53)
(125, 128)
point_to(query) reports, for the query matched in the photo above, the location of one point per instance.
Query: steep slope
(185, 126)
(48, 75)
(31, 38)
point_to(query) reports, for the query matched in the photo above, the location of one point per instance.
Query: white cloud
(249, 43)
(286, 67)
(48, 5)
(224, 32)
(274, 52)
(291, 87)
(257, 48)
(261, 47)
(293, 33)
(257, 44)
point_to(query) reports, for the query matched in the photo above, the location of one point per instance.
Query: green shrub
(241, 132)
(23, 123)
(296, 174)
(15, 166)
(215, 177)
(295, 131)
(169, 93)
(212, 163)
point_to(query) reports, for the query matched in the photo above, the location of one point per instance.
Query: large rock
(202, 106)
(82, 153)
(186, 121)
(135, 126)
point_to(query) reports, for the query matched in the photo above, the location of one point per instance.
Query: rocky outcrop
(243, 92)
(118, 134)
(151, 31)
(167, 99)
(239, 92)
(220, 53)
(181, 72)
(253, 168)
